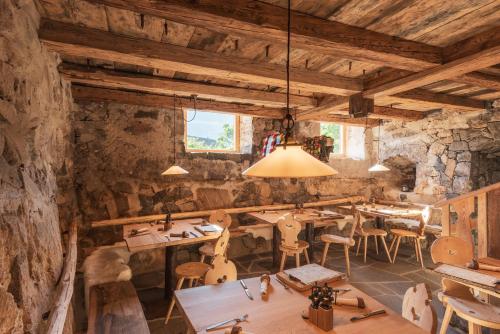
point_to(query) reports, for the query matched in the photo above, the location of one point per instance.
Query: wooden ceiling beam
(94, 94)
(265, 21)
(73, 40)
(344, 120)
(159, 85)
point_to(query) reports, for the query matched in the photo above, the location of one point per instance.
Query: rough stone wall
(34, 130)
(443, 147)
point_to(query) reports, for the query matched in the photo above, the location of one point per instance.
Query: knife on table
(247, 292)
(367, 315)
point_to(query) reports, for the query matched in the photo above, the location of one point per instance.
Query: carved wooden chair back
(220, 218)
(290, 229)
(360, 220)
(451, 250)
(417, 308)
(221, 270)
(220, 247)
(356, 219)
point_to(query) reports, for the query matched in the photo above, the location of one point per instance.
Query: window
(211, 132)
(338, 133)
(349, 141)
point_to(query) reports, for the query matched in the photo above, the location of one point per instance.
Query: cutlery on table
(247, 292)
(222, 323)
(367, 315)
(282, 283)
(193, 234)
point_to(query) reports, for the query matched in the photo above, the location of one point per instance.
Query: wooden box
(321, 318)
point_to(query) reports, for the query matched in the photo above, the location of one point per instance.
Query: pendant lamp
(289, 160)
(175, 170)
(378, 167)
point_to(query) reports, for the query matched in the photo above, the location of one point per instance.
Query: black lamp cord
(288, 120)
(175, 129)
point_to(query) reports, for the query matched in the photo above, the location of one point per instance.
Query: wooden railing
(487, 223)
(64, 290)
(205, 213)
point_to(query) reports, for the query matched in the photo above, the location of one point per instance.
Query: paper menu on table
(311, 273)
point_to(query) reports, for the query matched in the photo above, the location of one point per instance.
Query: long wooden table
(281, 312)
(157, 238)
(309, 217)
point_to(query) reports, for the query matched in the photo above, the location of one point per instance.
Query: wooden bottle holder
(321, 318)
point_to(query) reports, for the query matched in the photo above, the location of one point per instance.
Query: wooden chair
(290, 244)
(476, 313)
(364, 233)
(345, 241)
(415, 235)
(417, 308)
(194, 271)
(222, 219)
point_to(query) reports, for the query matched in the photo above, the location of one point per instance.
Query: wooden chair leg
(396, 250)
(392, 243)
(387, 252)
(306, 254)
(365, 241)
(474, 328)
(347, 263)
(297, 259)
(376, 243)
(202, 259)
(359, 245)
(325, 252)
(416, 250)
(190, 282)
(283, 259)
(419, 247)
(172, 302)
(446, 319)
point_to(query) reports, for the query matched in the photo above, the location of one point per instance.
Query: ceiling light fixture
(378, 167)
(174, 169)
(289, 160)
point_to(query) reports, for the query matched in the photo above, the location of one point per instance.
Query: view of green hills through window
(210, 131)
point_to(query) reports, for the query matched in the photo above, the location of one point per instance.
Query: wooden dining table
(382, 212)
(155, 237)
(309, 217)
(282, 311)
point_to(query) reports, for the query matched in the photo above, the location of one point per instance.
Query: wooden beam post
(360, 106)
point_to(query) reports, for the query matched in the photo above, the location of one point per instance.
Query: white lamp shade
(378, 168)
(292, 162)
(175, 170)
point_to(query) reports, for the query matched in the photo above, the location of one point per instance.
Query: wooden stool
(191, 271)
(415, 235)
(290, 245)
(417, 308)
(222, 219)
(477, 314)
(345, 241)
(364, 233)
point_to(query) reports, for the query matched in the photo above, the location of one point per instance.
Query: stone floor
(383, 281)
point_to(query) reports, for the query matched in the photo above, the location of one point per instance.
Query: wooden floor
(379, 279)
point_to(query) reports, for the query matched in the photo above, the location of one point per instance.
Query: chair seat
(300, 248)
(192, 270)
(337, 239)
(373, 231)
(207, 249)
(477, 312)
(404, 233)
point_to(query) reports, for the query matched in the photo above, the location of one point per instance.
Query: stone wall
(34, 137)
(446, 148)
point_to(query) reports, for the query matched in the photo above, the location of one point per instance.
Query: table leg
(310, 239)
(170, 264)
(276, 246)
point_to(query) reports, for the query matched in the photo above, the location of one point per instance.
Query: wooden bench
(115, 308)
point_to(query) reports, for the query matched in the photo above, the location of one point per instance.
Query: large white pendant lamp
(289, 160)
(175, 170)
(378, 167)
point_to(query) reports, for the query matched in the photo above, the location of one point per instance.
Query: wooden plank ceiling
(412, 57)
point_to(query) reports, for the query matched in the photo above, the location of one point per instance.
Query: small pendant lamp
(378, 167)
(174, 169)
(289, 160)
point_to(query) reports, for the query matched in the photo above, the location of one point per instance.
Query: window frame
(237, 147)
(343, 147)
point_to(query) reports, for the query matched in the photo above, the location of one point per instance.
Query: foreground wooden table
(309, 217)
(281, 313)
(157, 238)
